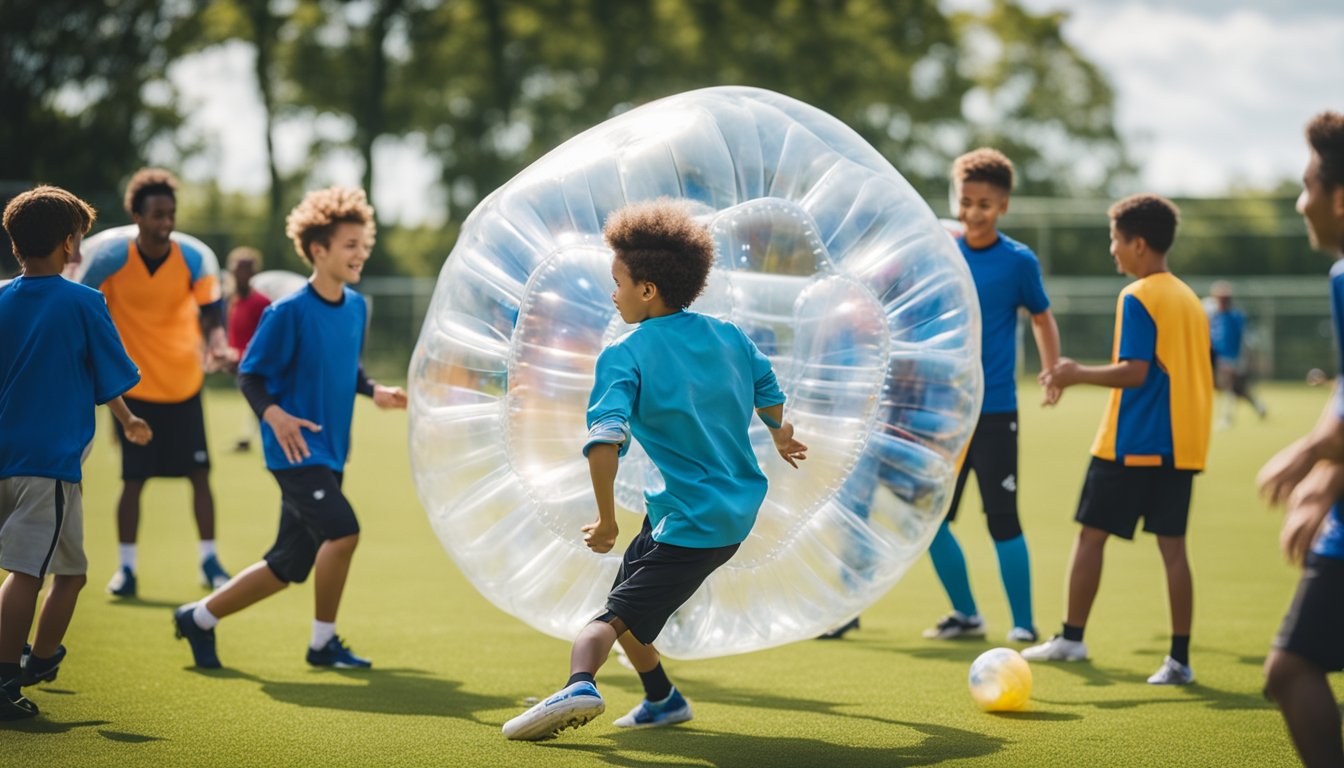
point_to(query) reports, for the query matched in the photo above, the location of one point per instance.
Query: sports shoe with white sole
(670, 711)
(1022, 635)
(122, 583)
(213, 575)
(1057, 648)
(336, 654)
(570, 707)
(1172, 672)
(955, 625)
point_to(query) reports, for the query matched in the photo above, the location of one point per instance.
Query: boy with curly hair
(685, 385)
(300, 375)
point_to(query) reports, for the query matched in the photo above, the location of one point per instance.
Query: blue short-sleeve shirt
(1330, 542)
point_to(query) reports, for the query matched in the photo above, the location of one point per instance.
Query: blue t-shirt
(1330, 542)
(1007, 276)
(1227, 330)
(307, 349)
(60, 355)
(686, 386)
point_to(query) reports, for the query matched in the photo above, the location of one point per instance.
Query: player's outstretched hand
(138, 431)
(1052, 395)
(1281, 474)
(389, 397)
(289, 433)
(1308, 506)
(600, 538)
(789, 447)
(1060, 376)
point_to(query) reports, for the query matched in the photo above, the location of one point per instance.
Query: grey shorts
(41, 527)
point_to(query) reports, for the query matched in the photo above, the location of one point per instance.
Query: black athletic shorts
(655, 579)
(992, 454)
(1115, 497)
(1314, 626)
(312, 510)
(178, 447)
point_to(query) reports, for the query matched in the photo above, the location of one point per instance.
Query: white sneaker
(1056, 648)
(1172, 672)
(1021, 635)
(956, 624)
(570, 707)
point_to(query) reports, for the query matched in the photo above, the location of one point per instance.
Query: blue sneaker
(202, 641)
(213, 575)
(37, 670)
(335, 654)
(670, 711)
(570, 707)
(122, 583)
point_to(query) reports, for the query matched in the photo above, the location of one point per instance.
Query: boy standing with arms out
(1007, 278)
(59, 355)
(1309, 475)
(301, 373)
(163, 299)
(1154, 435)
(685, 385)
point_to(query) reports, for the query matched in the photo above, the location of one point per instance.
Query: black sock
(8, 672)
(1180, 648)
(1073, 633)
(656, 685)
(580, 677)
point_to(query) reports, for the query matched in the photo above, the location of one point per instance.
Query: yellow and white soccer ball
(1000, 681)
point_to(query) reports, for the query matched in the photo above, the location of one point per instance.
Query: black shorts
(1115, 497)
(1314, 626)
(992, 454)
(312, 510)
(178, 448)
(655, 579)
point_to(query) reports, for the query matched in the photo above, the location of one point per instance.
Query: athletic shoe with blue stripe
(202, 641)
(570, 707)
(670, 711)
(336, 654)
(213, 575)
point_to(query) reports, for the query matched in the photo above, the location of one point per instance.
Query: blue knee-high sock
(1015, 569)
(950, 564)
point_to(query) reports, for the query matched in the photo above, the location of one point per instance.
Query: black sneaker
(956, 625)
(202, 641)
(335, 654)
(13, 704)
(37, 670)
(839, 632)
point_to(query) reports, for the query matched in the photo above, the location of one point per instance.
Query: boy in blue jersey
(58, 346)
(1154, 435)
(300, 374)
(1231, 374)
(1309, 476)
(685, 385)
(1007, 279)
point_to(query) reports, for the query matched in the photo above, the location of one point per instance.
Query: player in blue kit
(1231, 371)
(300, 374)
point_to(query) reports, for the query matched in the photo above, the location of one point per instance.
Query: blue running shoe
(213, 575)
(570, 707)
(670, 711)
(13, 704)
(336, 654)
(202, 641)
(122, 583)
(37, 670)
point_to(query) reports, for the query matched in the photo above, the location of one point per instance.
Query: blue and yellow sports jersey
(1165, 421)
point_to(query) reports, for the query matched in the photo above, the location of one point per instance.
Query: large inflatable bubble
(827, 258)
(107, 244)
(276, 284)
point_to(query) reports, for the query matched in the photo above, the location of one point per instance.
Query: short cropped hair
(660, 243)
(984, 164)
(39, 220)
(243, 253)
(148, 182)
(1152, 217)
(1325, 133)
(314, 220)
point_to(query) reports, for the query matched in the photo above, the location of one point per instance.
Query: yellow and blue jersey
(1165, 421)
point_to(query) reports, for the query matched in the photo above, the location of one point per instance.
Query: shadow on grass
(136, 602)
(43, 724)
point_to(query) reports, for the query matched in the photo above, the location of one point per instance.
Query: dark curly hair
(1152, 217)
(40, 219)
(1325, 133)
(145, 183)
(660, 243)
(315, 218)
(984, 164)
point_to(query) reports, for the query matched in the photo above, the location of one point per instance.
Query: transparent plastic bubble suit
(105, 245)
(276, 284)
(827, 258)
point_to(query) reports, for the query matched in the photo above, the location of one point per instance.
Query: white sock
(323, 631)
(127, 552)
(207, 548)
(203, 617)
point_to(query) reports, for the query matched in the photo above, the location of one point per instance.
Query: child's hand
(599, 537)
(790, 449)
(138, 431)
(389, 397)
(1281, 474)
(289, 433)
(1061, 376)
(1052, 395)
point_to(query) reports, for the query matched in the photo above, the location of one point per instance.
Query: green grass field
(450, 668)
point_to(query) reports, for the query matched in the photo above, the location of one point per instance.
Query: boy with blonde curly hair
(300, 374)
